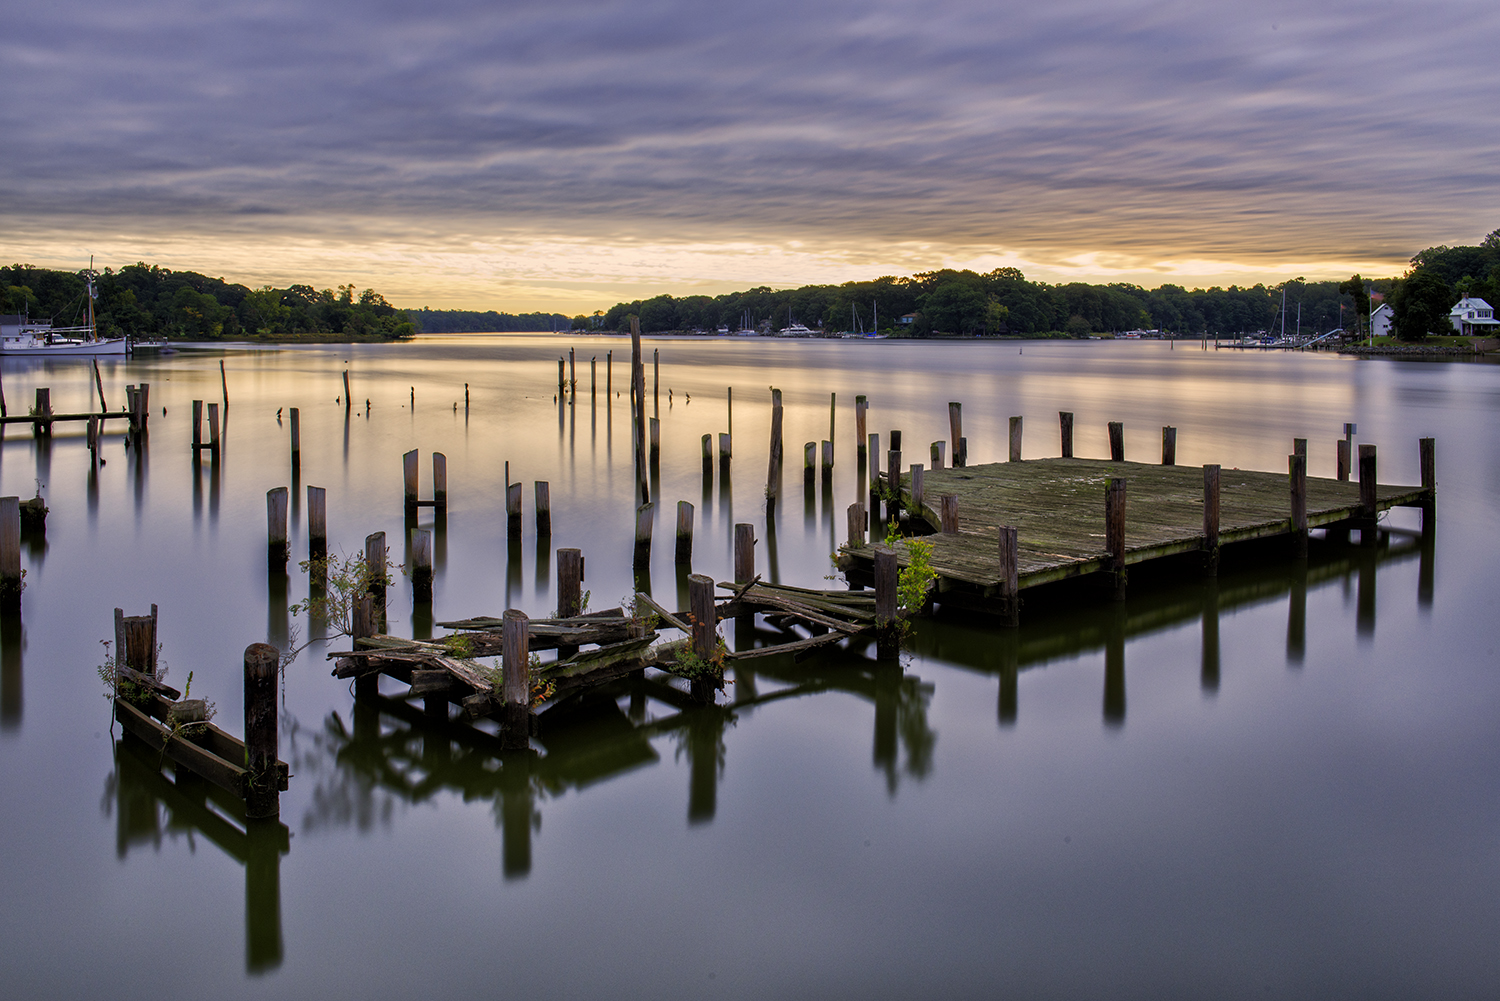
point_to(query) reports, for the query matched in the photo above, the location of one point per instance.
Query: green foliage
(467, 321)
(1420, 305)
(347, 578)
(916, 578)
(692, 666)
(459, 645)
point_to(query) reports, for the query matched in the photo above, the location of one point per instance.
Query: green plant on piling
(459, 645)
(347, 577)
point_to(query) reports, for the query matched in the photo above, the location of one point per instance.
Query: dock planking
(1058, 507)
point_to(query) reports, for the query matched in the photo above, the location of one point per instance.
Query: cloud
(1130, 138)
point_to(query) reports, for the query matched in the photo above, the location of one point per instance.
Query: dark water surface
(1282, 783)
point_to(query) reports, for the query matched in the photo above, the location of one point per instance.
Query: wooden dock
(1058, 508)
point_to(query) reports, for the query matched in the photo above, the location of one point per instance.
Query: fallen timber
(1057, 506)
(616, 644)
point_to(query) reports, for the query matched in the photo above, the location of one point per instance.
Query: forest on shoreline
(149, 301)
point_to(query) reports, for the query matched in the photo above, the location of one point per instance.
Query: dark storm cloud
(1150, 130)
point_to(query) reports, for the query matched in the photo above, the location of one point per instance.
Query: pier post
(861, 405)
(1169, 446)
(362, 625)
(1010, 578)
(896, 440)
(213, 429)
(1343, 460)
(262, 782)
(708, 455)
(409, 481)
(43, 412)
(918, 486)
(655, 425)
(421, 565)
(1299, 447)
(872, 449)
(10, 553)
(833, 413)
(1116, 441)
(513, 510)
(347, 401)
(726, 446)
(1210, 521)
(562, 378)
(317, 523)
(439, 481)
(955, 429)
(543, 491)
(827, 458)
(937, 453)
(1015, 439)
(1367, 495)
(375, 560)
(655, 379)
(1114, 529)
(744, 553)
(773, 472)
(948, 504)
(276, 518)
(569, 582)
(855, 522)
(197, 425)
(593, 378)
(809, 462)
(887, 628)
(143, 408)
(1065, 425)
(643, 536)
(705, 623)
(684, 554)
(961, 457)
(224, 385)
(638, 387)
(515, 680)
(609, 375)
(893, 481)
(1427, 458)
(1297, 470)
(296, 441)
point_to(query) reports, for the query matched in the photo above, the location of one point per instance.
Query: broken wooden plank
(781, 648)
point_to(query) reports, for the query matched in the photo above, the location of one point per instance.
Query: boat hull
(113, 346)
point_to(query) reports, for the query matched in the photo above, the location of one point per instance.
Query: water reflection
(12, 702)
(398, 754)
(149, 808)
(1055, 628)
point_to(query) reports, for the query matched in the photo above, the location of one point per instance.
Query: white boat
(796, 330)
(38, 339)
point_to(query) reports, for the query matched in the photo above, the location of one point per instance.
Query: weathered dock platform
(1058, 507)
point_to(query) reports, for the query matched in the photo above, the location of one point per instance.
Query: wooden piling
(1116, 441)
(439, 481)
(855, 524)
(363, 624)
(827, 458)
(569, 583)
(1210, 521)
(1342, 471)
(961, 457)
(887, 625)
(896, 440)
(317, 523)
(773, 473)
(655, 423)
(421, 565)
(223, 383)
(1015, 439)
(656, 378)
(609, 375)
(10, 550)
(572, 374)
(375, 561)
(1169, 446)
(93, 438)
(684, 554)
(872, 450)
(594, 378)
(562, 378)
(1065, 424)
(948, 513)
(98, 381)
(893, 478)
(638, 416)
(833, 413)
(515, 675)
(43, 412)
(956, 429)
(1427, 459)
(1367, 495)
(1297, 477)
(513, 510)
(705, 624)
(744, 553)
(1010, 580)
(409, 480)
(809, 462)
(347, 401)
(197, 425)
(726, 449)
(135, 642)
(1114, 530)
(643, 536)
(213, 429)
(918, 486)
(1299, 447)
(262, 779)
(936, 452)
(708, 455)
(296, 440)
(543, 494)
(276, 527)
(861, 421)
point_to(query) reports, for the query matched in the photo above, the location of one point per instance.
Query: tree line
(1000, 302)
(148, 301)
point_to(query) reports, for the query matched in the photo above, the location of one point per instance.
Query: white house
(1380, 320)
(1473, 316)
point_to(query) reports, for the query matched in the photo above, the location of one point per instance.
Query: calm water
(1189, 794)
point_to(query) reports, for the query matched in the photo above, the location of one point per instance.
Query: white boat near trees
(36, 338)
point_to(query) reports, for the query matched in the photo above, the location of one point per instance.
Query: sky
(572, 154)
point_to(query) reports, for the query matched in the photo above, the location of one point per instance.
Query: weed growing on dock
(459, 645)
(915, 579)
(345, 578)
